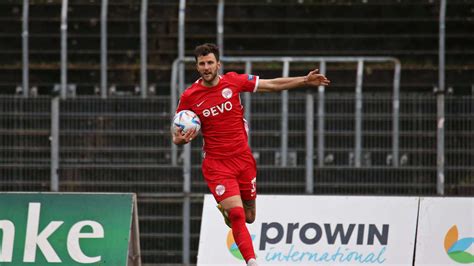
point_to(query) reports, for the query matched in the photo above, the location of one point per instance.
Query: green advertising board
(65, 228)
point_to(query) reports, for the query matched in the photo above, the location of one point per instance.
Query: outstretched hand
(315, 79)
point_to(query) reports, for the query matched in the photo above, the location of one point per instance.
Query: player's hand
(315, 79)
(179, 138)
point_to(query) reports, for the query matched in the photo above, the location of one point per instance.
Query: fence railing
(135, 131)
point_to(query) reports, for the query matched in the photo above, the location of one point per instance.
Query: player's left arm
(313, 79)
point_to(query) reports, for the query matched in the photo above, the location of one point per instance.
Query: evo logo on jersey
(218, 109)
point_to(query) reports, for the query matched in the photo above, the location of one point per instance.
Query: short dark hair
(205, 49)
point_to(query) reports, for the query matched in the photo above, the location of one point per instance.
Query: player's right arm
(177, 133)
(179, 138)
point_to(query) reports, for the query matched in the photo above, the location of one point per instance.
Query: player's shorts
(232, 176)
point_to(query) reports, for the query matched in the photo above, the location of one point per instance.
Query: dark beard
(213, 77)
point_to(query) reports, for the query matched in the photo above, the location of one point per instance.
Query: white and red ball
(186, 120)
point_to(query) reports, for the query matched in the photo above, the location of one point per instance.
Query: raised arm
(313, 79)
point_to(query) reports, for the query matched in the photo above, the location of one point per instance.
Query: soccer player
(229, 167)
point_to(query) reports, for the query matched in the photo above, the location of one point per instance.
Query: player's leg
(217, 177)
(221, 178)
(225, 205)
(250, 210)
(234, 207)
(248, 186)
(225, 215)
(248, 192)
(231, 202)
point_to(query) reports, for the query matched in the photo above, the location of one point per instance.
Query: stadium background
(121, 142)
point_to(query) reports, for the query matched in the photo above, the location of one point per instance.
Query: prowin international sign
(65, 229)
(317, 230)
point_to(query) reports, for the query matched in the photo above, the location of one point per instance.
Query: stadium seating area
(407, 30)
(122, 143)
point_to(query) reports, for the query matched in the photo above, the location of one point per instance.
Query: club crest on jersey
(220, 190)
(227, 93)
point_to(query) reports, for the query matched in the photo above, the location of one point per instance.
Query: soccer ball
(186, 120)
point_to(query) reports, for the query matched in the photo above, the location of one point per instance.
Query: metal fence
(123, 145)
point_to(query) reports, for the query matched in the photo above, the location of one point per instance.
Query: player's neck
(212, 83)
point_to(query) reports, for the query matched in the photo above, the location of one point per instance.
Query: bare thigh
(231, 202)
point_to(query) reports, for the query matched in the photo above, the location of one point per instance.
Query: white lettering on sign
(6, 249)
(73, 245)
(35, 238)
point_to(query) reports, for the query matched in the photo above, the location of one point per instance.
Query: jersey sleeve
(246, 82)
(183, 103)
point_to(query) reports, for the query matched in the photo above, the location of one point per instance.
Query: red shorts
(232, 176)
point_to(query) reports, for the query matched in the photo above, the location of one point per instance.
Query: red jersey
(221, 113)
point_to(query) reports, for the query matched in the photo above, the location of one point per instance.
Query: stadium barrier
(353, 230)
(69, 229)
(445, 231)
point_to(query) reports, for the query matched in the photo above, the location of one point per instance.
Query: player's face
(208, 67)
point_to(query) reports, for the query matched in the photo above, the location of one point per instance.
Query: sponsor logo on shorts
(220, 190)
